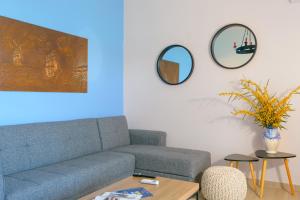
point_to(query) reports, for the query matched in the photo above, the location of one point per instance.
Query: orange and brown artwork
(33, 58)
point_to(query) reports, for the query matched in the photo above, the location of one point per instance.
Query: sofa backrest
(24, 147)
(113, 132)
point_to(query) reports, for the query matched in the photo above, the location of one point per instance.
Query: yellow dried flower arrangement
(268, 111)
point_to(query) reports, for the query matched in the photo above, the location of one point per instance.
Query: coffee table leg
(262, 179)
(252, 175)
(231, 163)
(237, 164)
(198, 195)
(286, 163)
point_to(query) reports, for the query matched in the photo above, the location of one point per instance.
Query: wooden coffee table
(168, 189)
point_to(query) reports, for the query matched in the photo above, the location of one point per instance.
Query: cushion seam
(164, 172)
(23, 180)
(99, 132)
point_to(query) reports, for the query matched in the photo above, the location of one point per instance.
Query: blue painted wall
(101, 21)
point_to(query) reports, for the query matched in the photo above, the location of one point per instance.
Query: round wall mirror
(233, 46)
(175, 64)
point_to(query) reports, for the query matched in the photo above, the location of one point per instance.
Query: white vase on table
(272, 140)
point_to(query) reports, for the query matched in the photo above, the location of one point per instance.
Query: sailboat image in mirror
(33, 58)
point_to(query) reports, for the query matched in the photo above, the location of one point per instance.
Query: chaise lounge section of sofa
(65, 160)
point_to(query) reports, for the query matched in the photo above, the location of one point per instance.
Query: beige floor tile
(271, 194)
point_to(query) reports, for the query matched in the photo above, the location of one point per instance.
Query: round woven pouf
(223, 183)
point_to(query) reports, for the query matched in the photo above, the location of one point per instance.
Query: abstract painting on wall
(33, 58)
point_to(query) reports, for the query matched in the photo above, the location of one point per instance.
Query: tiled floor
(271, 194)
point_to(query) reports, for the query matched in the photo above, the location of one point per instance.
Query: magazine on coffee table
(139, 190)
(127, 194)
(118, 196)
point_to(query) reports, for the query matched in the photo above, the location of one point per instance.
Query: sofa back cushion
(113, 132)
(28, 146)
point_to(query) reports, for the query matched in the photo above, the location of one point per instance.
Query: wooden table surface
(168, 189)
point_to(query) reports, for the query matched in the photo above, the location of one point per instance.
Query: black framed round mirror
(175, 64)
(233, 46)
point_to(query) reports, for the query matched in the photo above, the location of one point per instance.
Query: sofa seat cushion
(69, 178)
(181, 162)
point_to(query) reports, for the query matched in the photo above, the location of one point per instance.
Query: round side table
(237, 158)
(279, 155)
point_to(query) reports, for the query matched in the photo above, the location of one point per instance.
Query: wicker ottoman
(223, 183)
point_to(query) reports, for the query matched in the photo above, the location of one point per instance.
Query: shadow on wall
(214, 103)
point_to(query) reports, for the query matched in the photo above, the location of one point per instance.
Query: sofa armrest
(147, 137)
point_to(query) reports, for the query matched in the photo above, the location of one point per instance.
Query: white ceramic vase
(272, 139)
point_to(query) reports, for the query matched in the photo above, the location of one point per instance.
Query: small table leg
(231, 164)
(252, 175)
(237, 164)
(262, 179)
(286, 163)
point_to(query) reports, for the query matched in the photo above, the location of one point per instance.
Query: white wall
(192, 113)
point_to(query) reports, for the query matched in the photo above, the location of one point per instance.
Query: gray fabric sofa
(65, 160)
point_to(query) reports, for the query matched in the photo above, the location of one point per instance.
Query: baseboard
(277, 185)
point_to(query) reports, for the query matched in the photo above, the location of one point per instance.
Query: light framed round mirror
(175, 64)
(233, 46)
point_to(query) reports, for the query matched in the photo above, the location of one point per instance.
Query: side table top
(279, 155)
(240, 158)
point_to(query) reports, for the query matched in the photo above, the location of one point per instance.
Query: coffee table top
(168, 189)
(240, 158)
(279, 155)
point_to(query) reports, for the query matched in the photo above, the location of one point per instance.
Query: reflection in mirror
(233, 46)
(175, 64)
